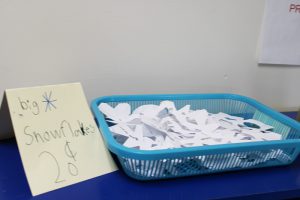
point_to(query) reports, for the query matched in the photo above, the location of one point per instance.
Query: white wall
(141, 46)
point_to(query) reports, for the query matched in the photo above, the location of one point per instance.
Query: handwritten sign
(58, 139)
(281, 31)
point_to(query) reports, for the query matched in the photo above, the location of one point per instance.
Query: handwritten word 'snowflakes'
(64, 130)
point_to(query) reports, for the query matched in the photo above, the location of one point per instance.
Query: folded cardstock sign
(58, 139)
(280, 34)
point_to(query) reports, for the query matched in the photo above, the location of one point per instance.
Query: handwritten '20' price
(71, 166)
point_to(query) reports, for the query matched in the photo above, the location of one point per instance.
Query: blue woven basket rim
(123, 151)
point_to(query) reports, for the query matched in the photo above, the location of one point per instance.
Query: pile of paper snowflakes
(153, 127)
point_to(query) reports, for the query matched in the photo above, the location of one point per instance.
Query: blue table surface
(266, 183)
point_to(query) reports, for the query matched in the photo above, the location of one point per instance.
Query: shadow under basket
(170, 163)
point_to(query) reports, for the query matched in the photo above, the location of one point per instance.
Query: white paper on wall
(280, 33)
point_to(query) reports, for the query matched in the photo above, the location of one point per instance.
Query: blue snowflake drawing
(49, 102)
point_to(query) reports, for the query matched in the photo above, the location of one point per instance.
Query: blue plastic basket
(169, 163)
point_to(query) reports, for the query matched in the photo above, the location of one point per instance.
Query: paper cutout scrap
(152, 127)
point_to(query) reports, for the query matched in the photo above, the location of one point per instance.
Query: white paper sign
(281, 32)
(58, 139)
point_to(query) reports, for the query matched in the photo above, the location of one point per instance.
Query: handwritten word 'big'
(32, 106)
(295, 8)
